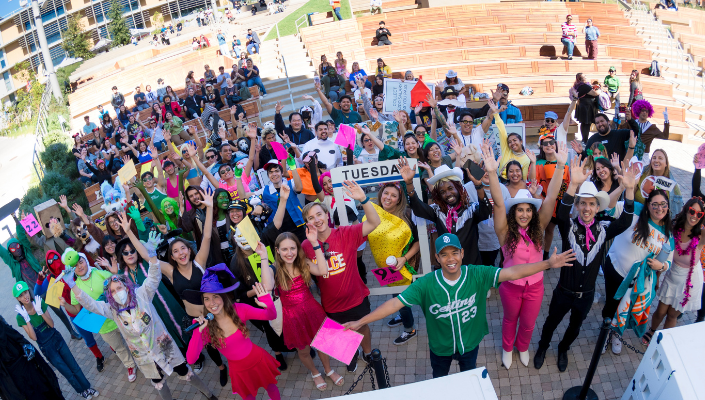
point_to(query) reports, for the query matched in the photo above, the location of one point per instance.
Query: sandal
(339, 382)
(321, 386)
(646, 339)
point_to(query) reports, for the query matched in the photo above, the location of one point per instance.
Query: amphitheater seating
(688, 27)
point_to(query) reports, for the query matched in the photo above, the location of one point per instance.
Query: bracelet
(632, 148)
(478, 187)
(318, 246)
(365, 201)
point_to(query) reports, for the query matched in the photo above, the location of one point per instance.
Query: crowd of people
(179, 255)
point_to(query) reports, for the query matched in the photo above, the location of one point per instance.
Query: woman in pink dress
(303, 315)
(251, 367)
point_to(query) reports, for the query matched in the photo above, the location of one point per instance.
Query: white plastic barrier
(672, 367)
(469, 385)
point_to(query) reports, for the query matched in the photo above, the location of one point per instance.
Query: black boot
(282, 362)
(539, 358)
(562, 360)
(362, 269)
(224, 376)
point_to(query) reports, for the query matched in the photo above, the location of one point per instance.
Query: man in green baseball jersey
(454, 302)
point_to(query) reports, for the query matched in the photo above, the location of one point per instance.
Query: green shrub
(56, 183)
(58, 157)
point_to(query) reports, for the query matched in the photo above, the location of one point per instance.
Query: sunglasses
(548, 143)
(147, 178)
(225, 170)
(210, 157)
(464, 122)
(656, 206)
(128, 252)
(550, 120)
(113, 278)
(612, 71)
(698, 214)
(52, 259)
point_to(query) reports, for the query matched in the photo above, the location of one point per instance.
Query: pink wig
(639, 105)
(320, 181)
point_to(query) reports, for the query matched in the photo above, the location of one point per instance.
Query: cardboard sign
(279, 151)
(397, 95)
(346, 136)
(385, 276)
(30, 225)
(256, 262)
(89, 321)
(700, 157)
(334, 340)
(248, 231)
(55, 290)
(127, 172)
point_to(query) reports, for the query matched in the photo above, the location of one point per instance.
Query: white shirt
(487, 238)
(624, 253)
(366, 157)
(328, 152)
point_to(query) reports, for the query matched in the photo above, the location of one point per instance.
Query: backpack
(653, 69)
(603, 101)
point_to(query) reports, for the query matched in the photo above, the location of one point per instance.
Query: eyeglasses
(550, 120)
(128, 252)
(698, 214)
(656, 206)
(612, 71)
(52, 259)
(466, 122)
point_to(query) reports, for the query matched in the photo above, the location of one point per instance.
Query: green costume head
(222, 199)
(170, 210)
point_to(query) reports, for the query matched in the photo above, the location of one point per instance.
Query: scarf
(524, 235)
(588, 233)
(452, 216)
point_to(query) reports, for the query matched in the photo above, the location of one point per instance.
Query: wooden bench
(322, 18)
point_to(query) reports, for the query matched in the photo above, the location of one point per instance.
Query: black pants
(384, 42)
(441, 364)
(612, 282)
(276, 342)
(585, 132)
(489, 257)
(562, 302)
(701, 311)
(181, 370)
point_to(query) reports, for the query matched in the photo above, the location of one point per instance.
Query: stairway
(675, 64)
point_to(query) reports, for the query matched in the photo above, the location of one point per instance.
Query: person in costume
(302, 314)
(396, 236)
(54, 268)
(519, 223)
(451, 210)
(222, 223)
(682, 285)
(193, 221)
(39, 326)
(19, 258)
(642, 110)
(24, 374)
(251, 367)
(132, 310)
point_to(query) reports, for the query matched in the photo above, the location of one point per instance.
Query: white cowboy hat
(522, 196)
(588, 189)
(444, 172)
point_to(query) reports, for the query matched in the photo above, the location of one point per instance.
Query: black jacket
(298, 138)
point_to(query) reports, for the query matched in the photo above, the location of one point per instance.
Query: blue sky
(7, 7)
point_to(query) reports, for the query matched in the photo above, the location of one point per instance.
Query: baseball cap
(445, 240)
(613, 69)
(551, 114)
(503, 87)
(19, 288)
(272, 163)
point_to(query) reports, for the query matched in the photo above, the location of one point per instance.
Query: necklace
(692, 246)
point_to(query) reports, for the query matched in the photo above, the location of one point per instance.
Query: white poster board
(397, 94)
(374, 174)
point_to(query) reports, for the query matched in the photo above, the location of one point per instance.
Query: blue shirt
(592, 33)
(354, 75)
(221, 39)
(511, 115)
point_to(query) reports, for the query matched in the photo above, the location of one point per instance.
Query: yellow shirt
(507, 154)
(386, 71)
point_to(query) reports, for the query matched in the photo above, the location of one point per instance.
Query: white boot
(506, 359)
(524, 357)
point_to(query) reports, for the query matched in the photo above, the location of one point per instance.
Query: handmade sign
(256, 262)
(127, 171)
(334, 340)
(89, 321)
(30, 225)
(419, 93)
(700, 157)
(248, 231)
(55, 290)
(397, 95)
(385, 276)
(279, 151)
(345, 137)
(656, 182)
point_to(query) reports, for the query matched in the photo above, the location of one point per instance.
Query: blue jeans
(256, 81)
(58, 354)
(251, 46)
(569, 45)
(335, 93)
(337, 13)
(237, 51)
(140, 107)
(87, 336)
(441, 364)
(160, 145)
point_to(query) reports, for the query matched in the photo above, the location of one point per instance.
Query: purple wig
(130, 291)
(639, 105)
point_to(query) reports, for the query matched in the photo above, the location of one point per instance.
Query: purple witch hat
(211, 283)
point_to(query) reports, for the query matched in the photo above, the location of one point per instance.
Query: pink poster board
(700, 157)
(30, 225)
(385, 276)
(345, 136)
(279, 151)
(334, 340)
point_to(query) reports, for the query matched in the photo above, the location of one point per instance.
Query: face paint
(223, 201)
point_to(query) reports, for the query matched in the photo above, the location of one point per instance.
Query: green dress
(168, 308)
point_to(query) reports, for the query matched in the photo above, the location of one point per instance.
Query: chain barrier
(360, 377)
(624, 342)
(386, 372)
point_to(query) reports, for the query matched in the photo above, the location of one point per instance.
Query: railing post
(288, 84)
(380, 368)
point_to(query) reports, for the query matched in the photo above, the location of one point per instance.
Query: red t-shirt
(343, 288)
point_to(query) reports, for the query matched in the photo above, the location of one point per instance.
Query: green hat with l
(445, 240)
(19, 288)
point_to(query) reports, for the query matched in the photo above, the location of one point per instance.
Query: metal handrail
(288, 84)
(41, 130)
(299, 24)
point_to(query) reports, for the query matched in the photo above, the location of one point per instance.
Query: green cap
(445, 240)
(19, 288)
(612, 68)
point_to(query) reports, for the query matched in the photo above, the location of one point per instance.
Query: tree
(157, 19)
(119, 31)
(75, 40)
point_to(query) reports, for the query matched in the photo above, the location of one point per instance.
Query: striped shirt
(569, 31)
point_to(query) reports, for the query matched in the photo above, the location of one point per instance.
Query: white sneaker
(489, 292)
(616, 345)
(524, 357)
(506, 359)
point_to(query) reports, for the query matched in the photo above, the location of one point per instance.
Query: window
(27, 26)
(2, 59)
(8, 81)
(54, 38)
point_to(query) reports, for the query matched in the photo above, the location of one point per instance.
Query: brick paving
(410, 363)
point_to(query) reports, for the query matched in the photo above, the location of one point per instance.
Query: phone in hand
(475, 169)
(316, 80)
(309, 156)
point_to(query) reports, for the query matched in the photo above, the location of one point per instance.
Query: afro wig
(639, 105)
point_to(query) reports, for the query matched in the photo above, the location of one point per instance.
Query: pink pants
(520, 303)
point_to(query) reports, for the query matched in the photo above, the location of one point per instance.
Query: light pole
(48, 64)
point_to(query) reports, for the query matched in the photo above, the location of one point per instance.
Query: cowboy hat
(588, 189)
(522, 196)
(443, 172)
(211, 283)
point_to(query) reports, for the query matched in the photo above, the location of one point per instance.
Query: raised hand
(406, 172)
(578, 175)
(152, 243)
(207, 199)
(261, 250)
(124, 222)
(417, 109)
(488, 157)
(561, 153)
(133, 213)
(63, 202)
(354, 190)
(78, 209)
(431, 101)
(632, 139)
(252, 131)
(531, 155)
(311, 233)
(397, 116)
(564, 259)
(455, 147)
(533, 188)
(493, 105)
(628, 178)
(103, 262)
(192, 150)
(163, 229)
(372, 112)
(260, 291)
(577, 146)
(496, 95)
(37, 303)
(317, 84)
(614, 160)
(278, 107)
(21, 310)
(307, 97)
